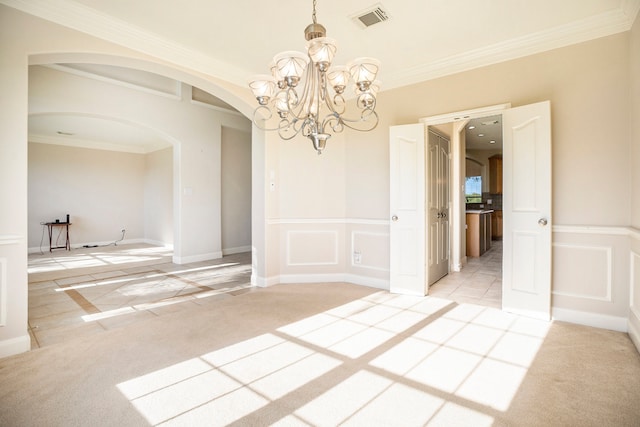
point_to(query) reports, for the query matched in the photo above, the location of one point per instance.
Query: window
(473, 189)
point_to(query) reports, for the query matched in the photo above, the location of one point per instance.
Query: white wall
(236, 191)
(25, 39)
(102, 191)
(158, 197)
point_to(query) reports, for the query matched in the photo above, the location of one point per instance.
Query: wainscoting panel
(312, 247)
(591, 276)
(370, 250)
(572, 278)
(634, 309)
(3, 291)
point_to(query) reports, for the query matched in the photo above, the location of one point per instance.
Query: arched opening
(195, 146)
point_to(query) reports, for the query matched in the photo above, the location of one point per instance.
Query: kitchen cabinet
(496, 225)
(495, 174)
(478, 232)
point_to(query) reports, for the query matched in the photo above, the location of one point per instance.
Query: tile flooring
(479, 282)
(89, 290)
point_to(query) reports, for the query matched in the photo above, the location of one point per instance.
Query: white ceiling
(423, 39)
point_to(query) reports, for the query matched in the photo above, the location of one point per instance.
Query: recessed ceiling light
(471, 127)
(65, 133)
(481, 134)
(492, 142)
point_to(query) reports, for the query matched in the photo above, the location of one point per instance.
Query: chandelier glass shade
(305, 93)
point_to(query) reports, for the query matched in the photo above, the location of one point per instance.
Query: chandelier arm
(372, 123)
(259, 120)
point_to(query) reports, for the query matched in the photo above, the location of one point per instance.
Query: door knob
(394, 218)
(542, 222)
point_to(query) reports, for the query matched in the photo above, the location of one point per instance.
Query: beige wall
(634, 314)
(587, 85)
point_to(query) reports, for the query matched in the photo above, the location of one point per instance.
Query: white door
(526, 285)
(438, 207)
(407, 209)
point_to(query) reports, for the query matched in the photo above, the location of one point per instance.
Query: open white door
(526, 285)
(407, 209)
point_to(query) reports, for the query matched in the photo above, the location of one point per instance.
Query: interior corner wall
(236, 191)
(634, 312)
(14, 337)
(158, 197)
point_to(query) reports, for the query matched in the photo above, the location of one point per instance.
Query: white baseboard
(45, 249)
(634, 329)
(367, 281)
(15, 346)
(321, 278)
(197, 258)
(238, 250)
(603, 321)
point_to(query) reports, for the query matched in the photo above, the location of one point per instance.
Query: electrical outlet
(357, 257)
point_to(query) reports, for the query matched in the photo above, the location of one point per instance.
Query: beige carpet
(328, 354)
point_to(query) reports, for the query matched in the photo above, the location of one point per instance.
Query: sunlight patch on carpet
(379, 360)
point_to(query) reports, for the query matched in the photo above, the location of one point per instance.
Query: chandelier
(319, 107)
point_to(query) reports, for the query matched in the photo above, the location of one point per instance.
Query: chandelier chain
(313, 15)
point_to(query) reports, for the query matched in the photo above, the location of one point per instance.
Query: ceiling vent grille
(371, 16)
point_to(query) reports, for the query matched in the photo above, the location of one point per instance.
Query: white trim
(196, 258)
(176, 96)
(596, 320)
(10, 239)
(602, 25)
(336, 239)
(342, 221)
(217, 108)
(43, 248)
(634, 331)
(3, 291)
(456, 116)
(609, 254)
(597, 229)
(237, 250)
(87, 20)
(334, 278)
(87, 143)
(367, 281)
(15, 345)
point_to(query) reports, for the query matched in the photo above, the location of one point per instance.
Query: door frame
(459, 120)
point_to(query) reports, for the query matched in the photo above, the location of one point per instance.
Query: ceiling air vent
(371, 16)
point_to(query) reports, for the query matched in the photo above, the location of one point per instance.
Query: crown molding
(93, 145)
(602, 25)
(89, 21)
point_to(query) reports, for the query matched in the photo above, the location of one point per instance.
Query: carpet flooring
(326, 355)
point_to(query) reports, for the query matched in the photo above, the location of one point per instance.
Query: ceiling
(421, 40)
(484, 133)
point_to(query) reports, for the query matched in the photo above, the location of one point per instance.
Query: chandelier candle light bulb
(319, 107)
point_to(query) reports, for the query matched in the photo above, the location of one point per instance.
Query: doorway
(477, 276)
(526, 287)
